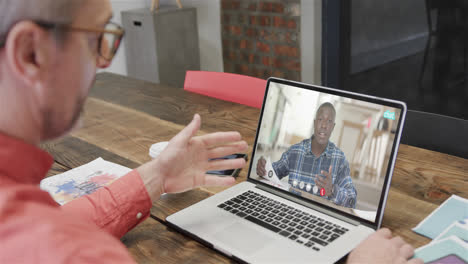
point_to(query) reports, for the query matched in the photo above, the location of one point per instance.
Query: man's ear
(28, 49)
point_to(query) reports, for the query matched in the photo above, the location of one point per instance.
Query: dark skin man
(324, 123)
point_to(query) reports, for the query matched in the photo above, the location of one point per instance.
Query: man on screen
(316, 165)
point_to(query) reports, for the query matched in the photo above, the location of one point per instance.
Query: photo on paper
(82, 180)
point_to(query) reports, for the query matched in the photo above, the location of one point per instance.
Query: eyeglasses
(109, 40)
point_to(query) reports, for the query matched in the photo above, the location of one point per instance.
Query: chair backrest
(231, 87)
(436, 132)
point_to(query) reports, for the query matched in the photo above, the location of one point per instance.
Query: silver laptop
(317, 183)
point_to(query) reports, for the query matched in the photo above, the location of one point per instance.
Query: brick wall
(261, 38)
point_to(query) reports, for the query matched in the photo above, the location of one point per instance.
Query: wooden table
(123, 117)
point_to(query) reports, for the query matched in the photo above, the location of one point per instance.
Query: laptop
(317, 183)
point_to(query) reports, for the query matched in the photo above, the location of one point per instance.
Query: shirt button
(139, 215)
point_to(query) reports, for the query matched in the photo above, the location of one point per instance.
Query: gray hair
(53, 11)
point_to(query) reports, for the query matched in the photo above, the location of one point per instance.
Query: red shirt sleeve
(116, 208)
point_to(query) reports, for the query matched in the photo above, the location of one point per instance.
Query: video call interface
(327, 148)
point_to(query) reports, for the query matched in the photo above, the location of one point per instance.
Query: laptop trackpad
(242, 237)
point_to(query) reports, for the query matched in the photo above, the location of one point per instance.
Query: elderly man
(49, 53)
(316, 165)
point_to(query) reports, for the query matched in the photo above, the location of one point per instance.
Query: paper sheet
(453, 209)
(458, 229)
(368, 215)
(271, 177)
(448, 250)
(82, 180)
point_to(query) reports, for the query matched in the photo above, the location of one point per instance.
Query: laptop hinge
(312, 206)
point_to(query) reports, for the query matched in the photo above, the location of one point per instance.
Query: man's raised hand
(186, 159)
(326, 183)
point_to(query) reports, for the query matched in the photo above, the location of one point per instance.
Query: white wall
(209, 30)
(303, 106)
(311, 41)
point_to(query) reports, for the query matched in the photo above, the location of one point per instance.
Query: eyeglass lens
(110, 42)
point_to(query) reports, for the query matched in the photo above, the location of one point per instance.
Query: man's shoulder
(335, 150)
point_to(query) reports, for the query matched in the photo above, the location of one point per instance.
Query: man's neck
(316, 148)
(16, 118)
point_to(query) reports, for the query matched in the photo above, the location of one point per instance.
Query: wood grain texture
(124, 131)
(71, 152)
(404, 212)
(56, 169)
(176, 105)
(124, 117)
(153, 242)
(428, 175)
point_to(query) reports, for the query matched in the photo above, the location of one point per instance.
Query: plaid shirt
(301, 165)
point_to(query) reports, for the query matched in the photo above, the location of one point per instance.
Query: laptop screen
(331, 147)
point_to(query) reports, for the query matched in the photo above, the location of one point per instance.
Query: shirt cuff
(115, 208)
(132, 199)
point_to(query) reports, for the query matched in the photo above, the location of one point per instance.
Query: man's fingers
(212, 180)
(190, 130)
(330, 169)
(262, 171)
(398, 241)
(261, 167)
(328, 173)
(226, 164)
(222, 151)
(319, 182)
(384, 232)
(325, 173)
(317, 179)
(220, 138)
(407, 251)
(415, 261)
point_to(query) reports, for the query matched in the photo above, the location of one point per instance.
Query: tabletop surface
(124, 116)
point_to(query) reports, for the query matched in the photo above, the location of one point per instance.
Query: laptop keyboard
(311, 231)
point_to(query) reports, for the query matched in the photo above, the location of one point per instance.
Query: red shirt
(35, 229)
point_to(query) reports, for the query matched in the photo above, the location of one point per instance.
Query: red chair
(231, 87)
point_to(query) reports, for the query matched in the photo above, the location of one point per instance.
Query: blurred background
(361, 132)
(414, 51)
